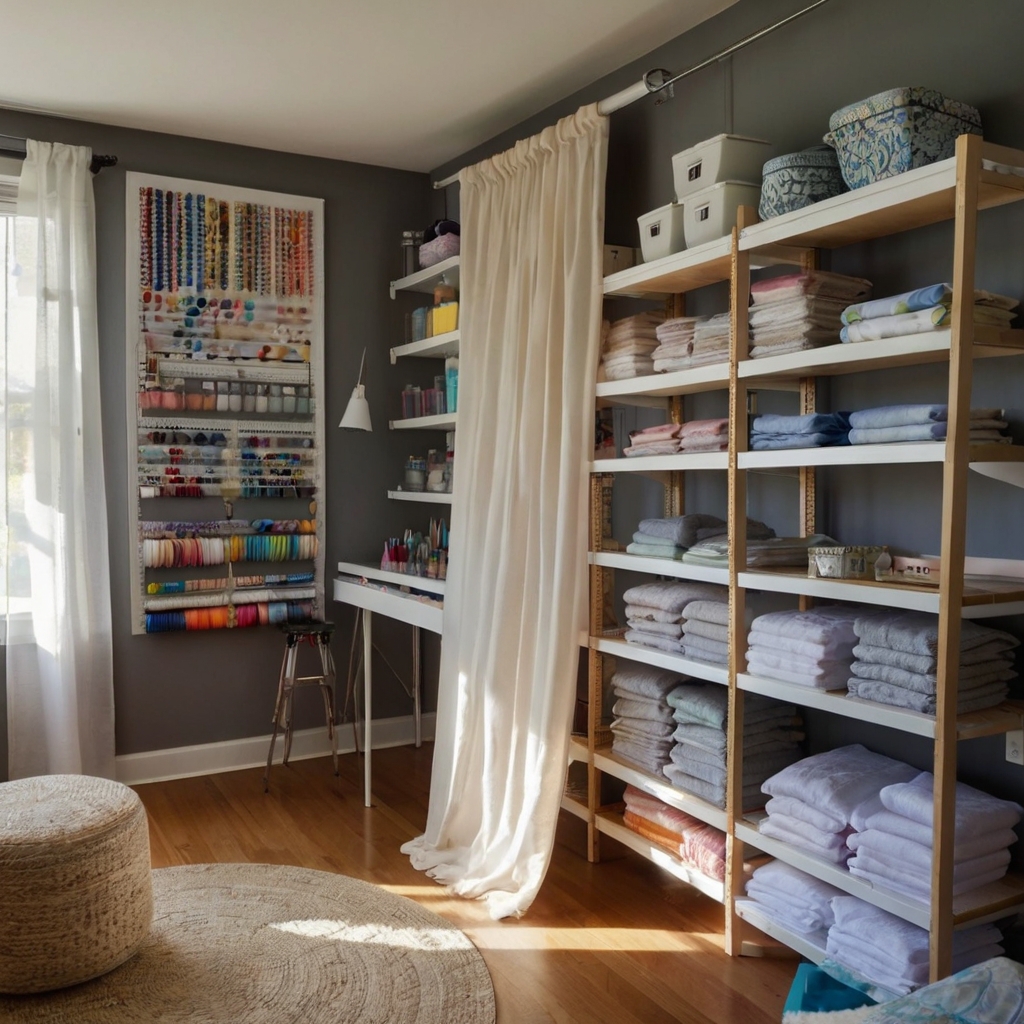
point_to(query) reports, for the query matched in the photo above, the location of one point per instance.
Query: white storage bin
(662, 232)
(711, 213)
(723, 158)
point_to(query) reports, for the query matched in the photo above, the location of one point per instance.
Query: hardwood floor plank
(619, 942)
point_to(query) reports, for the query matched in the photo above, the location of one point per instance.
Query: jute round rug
(265, 944)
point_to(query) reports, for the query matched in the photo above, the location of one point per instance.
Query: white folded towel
(975, 811)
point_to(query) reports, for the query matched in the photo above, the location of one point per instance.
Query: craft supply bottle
(415, 473)
(261, 398)
(209, 396)
(274, 405)
(222, 396)
(302, 402)
(249, 398)
(235, 397)
(288, 399)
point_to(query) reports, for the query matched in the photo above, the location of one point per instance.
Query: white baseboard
(251, 752)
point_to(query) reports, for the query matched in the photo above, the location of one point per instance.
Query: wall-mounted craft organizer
(225, 358)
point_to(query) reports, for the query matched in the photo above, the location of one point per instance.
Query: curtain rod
(10, 145)
(658, 79)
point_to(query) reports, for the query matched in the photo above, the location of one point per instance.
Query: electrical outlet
(1015, 746)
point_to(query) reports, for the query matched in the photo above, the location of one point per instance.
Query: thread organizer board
(225, 404)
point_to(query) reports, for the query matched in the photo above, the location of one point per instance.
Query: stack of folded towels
(669, 538)
(762, 552)
(922, 423)
(771, 734)
(897, 660)
(893, 953)
(894, 838)
(695, 843)
(711, 340)
(660, 440)
(628, 346)
(675, 344)
(812, 648)
(813, 430)
(705, 634)
(654, 610)
(792, 898)
(925, 309)
(813, 801)
(704, 436)
(642, 726)
(800, 311)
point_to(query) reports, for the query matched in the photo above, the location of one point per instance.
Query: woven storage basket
(76, 895)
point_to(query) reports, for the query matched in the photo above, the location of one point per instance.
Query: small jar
(302, 401)
(222, 396)
(209, 396)
(415, 473)
(235, 397)
(288, 399)
(261, 398)
(249, 398)
(274, 404)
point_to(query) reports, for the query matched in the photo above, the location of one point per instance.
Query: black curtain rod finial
(99, 161)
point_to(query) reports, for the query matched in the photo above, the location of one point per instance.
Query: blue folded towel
(898, 416)
(775, 442)
(812, 423)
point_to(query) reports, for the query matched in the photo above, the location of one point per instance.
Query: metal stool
(318, 635)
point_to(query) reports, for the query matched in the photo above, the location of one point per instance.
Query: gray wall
(783, 89)
(178, 689)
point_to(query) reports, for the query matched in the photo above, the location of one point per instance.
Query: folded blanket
(918, 633)
(654, 551)
(705, 648)
(644, 732)
(707, 611)
(914, 889)
(904, 854)
(803, 649)
(835, 851)
(707, 791)
(674, 595)
(918, 879)
(644, 681)
(794, 807)
(896, 326)
(640, 755)
(671, 630)
(810, 282)
(710, 630)
(976, 811)
(996, 650)
(906, 415)
(831, 626)
(968, 677)
(705, 428)
(780, 442)
(920, 432)
(661, 643)
(707, 657)
(834, 679)
(838, 780)
(626, 707)
(811, 423)
(775, 660)
(669, 447)
(644, 613)
(776, 551)
(639, 537)
(700, 703)
(919, 298)
(975, 699)
(966, 847)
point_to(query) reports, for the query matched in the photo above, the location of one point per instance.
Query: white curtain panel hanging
(532, 237)
(60, 701)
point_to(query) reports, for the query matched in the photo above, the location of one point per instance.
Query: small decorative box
(843, 563)
(922, 569)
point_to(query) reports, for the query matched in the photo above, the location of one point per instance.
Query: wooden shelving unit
(956, 190)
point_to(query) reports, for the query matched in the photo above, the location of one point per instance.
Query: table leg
(417, 686)
(367, 701)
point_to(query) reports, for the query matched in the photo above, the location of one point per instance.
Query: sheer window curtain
(56, 592)
(532, 236)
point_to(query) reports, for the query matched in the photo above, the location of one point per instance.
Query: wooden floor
(619, 942)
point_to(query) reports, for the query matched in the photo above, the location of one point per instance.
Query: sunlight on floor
(377, 934)
(632, 939)
(417, 892)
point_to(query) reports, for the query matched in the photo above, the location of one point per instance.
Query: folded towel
(906, 855)
(641, 756)
(968, 677)
(706, 649)
(906, 415)
(661, 643)
(700, 703)
(710, 630)
(831, 626)
(707, 611)
(810, 282)
(773, 659)
(775, 551)
(913, 888)
(654, 551)
(707, 791)
(975, 699)
(674, 595)
(685, 531)
(644, 681)
(918, 633)
(671, 630)
(766, 746)
(660, 432)
(639, 537)
(925, 664)
(830, 675)
(705, 428)
(796, 808)
(918, 880)
(803, 649)
(838, 780)
(965, 847)
(641, 612)
(976, 811)
(626, 707)
(644, 730)
(669, 447)
(704, 656)
(798, 888)
(835, 851)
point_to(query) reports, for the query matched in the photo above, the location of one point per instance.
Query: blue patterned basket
(796, 180)
(896, 131)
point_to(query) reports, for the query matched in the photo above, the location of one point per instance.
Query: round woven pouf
(76, 895)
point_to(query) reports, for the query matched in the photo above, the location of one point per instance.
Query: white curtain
(60, 704)
(532, 237)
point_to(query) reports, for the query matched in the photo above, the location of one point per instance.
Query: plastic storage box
(723, 158)
(796, 180)
(896, 131)
(711, 213)
(661, 232)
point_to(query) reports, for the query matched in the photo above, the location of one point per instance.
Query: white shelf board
(446, 272)
(914, 598)
(659, 566)
(875, 454)
(425, 497)
(837, 702)
(444, 421)
(608, 763)
(438, 347)
(714, 376)
(902, 906)
(662, 463)
(810, 946)
(610, 824)
(575, 807)
(401, 607)
(661, 659)
(395, 579)
(680, 272)
(211, 369)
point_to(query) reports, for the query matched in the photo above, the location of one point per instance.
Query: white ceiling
(400, 83)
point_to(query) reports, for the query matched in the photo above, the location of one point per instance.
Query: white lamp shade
(357, 412)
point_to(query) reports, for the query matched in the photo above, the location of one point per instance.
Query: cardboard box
(618, 257)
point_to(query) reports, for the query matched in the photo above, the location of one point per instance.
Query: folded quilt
(900, 853)
(644, 681)
(705, 428)
(674, 595)
(811, 423)
(672, 630)
(661, 643)
(834, 851)
(716, 612)
(922, 432)
(926, 665)
(626, 707)
(669, 447)
(896, 326)
(976, 811)
(968, 677)
(918, 633)
(659, 432)
(975, 699)
(710, 630)
(919, 298)
(831, 626)
(837, 781)
(810, 282)
(654, 550)
(965, 847)
(906, 415)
